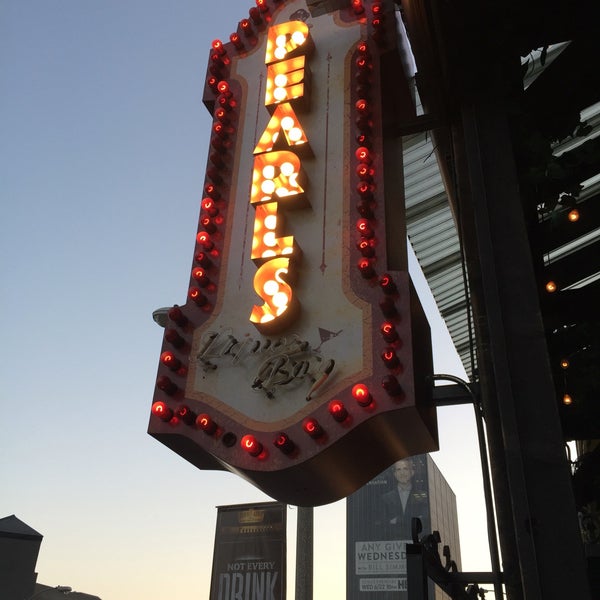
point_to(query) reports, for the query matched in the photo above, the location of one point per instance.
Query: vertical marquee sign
(299, 359)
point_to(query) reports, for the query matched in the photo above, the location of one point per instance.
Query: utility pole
(304, 553)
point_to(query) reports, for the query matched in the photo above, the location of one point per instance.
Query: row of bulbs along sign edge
(299, 359)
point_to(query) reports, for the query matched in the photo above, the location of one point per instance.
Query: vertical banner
(249, 559)
(379, 519)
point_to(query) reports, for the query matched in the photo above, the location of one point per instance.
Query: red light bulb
(212, 83)
(218, 143)
(203, 260)
(388, 307)
(220, 60)
(377, 8)
(365, 248)
(170, 360)
(164, 384)
(364, 228)
(366, 268)
(225, 102)
(176, 315)
(362, 107)
(221, 131)
(391, 385)
(254, 14)
(217, 63)
(390, 359)
(365, 190)
(184, 413)
(389, 333)
(364, 123)
(363, 155)
(208, 224)
(284, 443)
(365, 172)
(206, 423)
(173, 337)
(337, 410)
(363, 47)
(199, 275)
(361, 394)
(262, 5)
(221, 115)
(312, 427)
(236, 40)
(218, 47)
(162, 411)
(362, 139)
(196, 296)
(364, 65)
(377, 23)
(387, 284)
(203, 238)
(215, 69)
(210, 189)
(364, 209)
(209, 206)
(358, 7)
(251, 445)
(246, 27)
(216, 158)
(213, 173)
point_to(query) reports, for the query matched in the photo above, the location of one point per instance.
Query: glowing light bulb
(284, 443)
(295, 134)
(271, 287)
(280, 300)
(270, 221)
(567, 400)
(280, 80)
(551, 287)
(280, 94)
(287, 122)
(251, 445)
(312, 428)
(298, 38)
(267, 186)
(206, 424)
(269, 239)
(337, 410)
(361, 394)
(268, 172)
(287, 169)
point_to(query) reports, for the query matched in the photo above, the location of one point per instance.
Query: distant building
(46, 592)
(19, 549)
(379, 519)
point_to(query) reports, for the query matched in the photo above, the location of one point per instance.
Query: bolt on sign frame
(300, 357)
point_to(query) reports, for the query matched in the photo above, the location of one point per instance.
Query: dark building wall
(19, 549)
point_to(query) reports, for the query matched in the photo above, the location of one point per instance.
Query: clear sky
(103, 141)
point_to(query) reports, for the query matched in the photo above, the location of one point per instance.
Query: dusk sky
(103, 141)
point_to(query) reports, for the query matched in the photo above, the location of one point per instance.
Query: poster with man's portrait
(379, 518)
